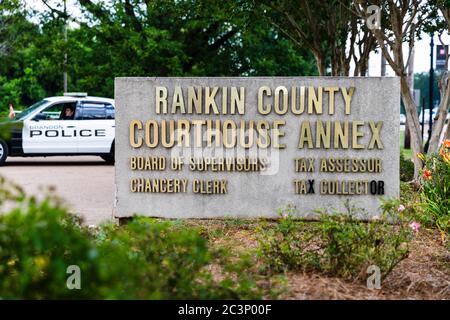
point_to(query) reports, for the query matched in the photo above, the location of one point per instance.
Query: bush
(169, 261)
(145, 259)
(286, 245)
(410, 206)
(435, 184)
(37, 244)
(338, 245)
(406, 169)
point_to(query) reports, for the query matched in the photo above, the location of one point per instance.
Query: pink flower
(401, 208)
(415, 226)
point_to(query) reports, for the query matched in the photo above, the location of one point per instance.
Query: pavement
(85, 183)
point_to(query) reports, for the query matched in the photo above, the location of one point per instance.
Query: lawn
(406, 152)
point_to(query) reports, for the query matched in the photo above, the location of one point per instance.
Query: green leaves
(338, 245)
(144, 38)
(146, 259)
(436, 188)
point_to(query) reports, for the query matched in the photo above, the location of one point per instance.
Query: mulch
(424, 274)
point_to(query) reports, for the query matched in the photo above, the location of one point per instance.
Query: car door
(46, 133)
(96, 127)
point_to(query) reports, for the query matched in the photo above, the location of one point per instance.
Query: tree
(443, 81)
(403, 21)
(136, 38)
(19, 82)
(181, 38)
(329, 29)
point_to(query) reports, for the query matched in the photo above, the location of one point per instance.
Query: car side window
(96, 111)
(54, 112)
(110, 112)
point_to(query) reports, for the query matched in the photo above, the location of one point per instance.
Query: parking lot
(86, 183)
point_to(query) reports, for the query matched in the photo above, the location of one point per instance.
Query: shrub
(406, 169)
(436, 187)
(145, 259)
(409, 207)
(169, 262)
(285, 244)
(353, 245)
(37, 244)
(339, 245)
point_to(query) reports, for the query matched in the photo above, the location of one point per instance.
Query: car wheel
(3, 152)
(109, 158)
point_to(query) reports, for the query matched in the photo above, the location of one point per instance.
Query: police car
(73, 124)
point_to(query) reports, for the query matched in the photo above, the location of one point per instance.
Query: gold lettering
(301, 109)
(323, 135)
(341, 135)
(356, 134)
(314, 100)
(264, 109)
(331, 97)
(277, 134)
(135, 125)
(229, 134)
(161, 99)
(151, 124)
(238, 101)
(347, 95)
(305, 135)
(283, 107)
(262, 128)
(178, 101)
(210, 101)
(375, 135)
(194, 100)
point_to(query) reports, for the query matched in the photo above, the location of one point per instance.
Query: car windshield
(29, 110)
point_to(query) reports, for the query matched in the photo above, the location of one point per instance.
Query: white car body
(39, 130)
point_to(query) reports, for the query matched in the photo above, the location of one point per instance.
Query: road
(85, 183)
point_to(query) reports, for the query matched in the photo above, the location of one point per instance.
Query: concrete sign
(245, 147)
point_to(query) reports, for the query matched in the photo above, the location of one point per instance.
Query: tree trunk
(320, 61)
(447, 134)
(383, 65)
(363, 67)
(407, 141)
(413, 124)
(439, 123)
(407, 144)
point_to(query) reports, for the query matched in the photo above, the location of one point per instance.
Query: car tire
(109, 158)
(3, 152)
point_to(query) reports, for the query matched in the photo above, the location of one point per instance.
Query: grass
(406, 152)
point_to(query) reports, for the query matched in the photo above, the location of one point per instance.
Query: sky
(422, 47)
(421, 56)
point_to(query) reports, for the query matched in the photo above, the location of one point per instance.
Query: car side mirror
(39, 116)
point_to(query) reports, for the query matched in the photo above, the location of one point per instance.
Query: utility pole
(431, 86)
(65, 48)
